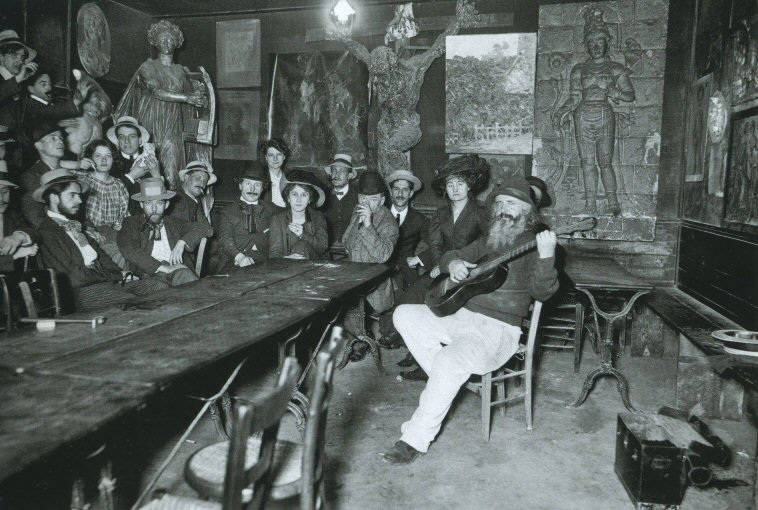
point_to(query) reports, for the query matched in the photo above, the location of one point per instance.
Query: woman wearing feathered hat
(299, 231)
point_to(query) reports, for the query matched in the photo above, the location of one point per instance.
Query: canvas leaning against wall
(598, 111)
(238, 124)
(238, 53)
(489, 93)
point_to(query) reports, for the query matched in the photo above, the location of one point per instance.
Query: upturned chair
(239, 472)
(504, 373)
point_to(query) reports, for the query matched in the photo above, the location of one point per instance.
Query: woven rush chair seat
(169, 502)
(206, 468)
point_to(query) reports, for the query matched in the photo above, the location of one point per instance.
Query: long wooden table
(59, 386)
(592, 276)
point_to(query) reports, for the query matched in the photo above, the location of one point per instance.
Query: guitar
(446, 297)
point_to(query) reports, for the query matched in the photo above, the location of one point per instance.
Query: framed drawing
(489, 93)
(238, 53)
(238, 124)
(741, 200)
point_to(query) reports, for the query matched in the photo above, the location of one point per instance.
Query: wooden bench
(702, 376)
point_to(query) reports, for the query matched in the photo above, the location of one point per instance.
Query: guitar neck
(505, 257)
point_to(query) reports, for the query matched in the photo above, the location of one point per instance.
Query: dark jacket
(412, 229)
(12, 222)
(62, 254)
(338, 213)
(8, 90)
(34, 113)
(182, 206)
(136, 245)
(313, 244)
(34, 212)
(121, 167)
(444, 235)
(528, 277)
(233, 237)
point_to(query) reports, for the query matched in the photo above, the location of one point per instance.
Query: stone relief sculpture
(93, 40)
(165, 99)
(81, 131)
(595, 86)
(397, 81)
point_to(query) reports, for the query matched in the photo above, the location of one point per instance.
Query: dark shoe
(401, 453)
(360, 349)
(407, 362)
(391, 340)
(415, 375)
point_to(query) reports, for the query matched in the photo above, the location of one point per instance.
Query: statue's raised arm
(358, 50)
(466, 16)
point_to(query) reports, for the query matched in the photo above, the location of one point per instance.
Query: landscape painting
(489, 93)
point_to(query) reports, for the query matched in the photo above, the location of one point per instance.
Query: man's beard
(504, 230)
(68, 212)
(155, 219)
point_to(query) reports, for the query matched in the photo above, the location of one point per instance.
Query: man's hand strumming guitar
(546, 241)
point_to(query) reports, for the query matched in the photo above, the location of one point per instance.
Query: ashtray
(739, 342)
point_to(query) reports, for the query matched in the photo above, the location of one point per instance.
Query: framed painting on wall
(239, 112)
(741, 194)
(238, 53)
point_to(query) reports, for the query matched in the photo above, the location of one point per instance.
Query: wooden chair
(39, 290)
(227, 470)
(297, 468)
(6, 308)
(562, 325)
(499, 376)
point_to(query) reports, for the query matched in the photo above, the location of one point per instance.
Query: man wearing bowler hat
(343, 197)
(83, 269)
(242, 228)
(156, 245)
(370, 237)
(484, 333)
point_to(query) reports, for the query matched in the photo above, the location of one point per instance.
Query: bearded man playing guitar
(483, 334)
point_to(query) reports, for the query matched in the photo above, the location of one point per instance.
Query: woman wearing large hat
(299, 231)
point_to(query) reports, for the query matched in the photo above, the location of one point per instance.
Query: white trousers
(473, 344)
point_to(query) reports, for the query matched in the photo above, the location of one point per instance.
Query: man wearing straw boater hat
(84, 270)
(242, 228)
(156, 245)
(483, 334)
(343, 197)
(17, 238)
(190, 202)
(15, 65)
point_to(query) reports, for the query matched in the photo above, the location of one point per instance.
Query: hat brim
(353, 172)
(111, 134)
(3, 182)
(405, 176)
(37, 193)
(139, 197)
(31, 53)
(319, 191)
(211, 176)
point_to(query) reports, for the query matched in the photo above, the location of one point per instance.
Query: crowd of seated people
(109, 225)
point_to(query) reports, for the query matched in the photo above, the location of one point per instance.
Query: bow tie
(75, 228)
(339, 193)
(155, 230)
(249, 210)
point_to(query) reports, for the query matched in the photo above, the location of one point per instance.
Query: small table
(592, 274)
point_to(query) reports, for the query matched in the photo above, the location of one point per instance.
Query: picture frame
(238, 124)
(741, 186)
(238, 53)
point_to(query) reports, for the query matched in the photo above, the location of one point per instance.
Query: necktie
(75, 228)
(339, 193)
(155, 230)
(249, 210)
(397, 217)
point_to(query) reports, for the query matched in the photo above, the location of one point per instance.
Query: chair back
(259, 416)
(6, 309)
(533, 325)
(39, 290)
(315, 428)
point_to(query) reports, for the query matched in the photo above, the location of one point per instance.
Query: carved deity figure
(81, 131)
(162, 98)
(397, 84)
(595, 86)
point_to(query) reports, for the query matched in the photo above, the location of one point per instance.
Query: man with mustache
(189, 203)
(15, 66)
(484, 334)
(156, 245)
(17, 238)
(39, 105)
(49, 143)
(83, 269)
(343, 198)
(243, 227)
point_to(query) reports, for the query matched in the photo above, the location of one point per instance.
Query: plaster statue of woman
(397, 84)
(162, 98)
(595, 86)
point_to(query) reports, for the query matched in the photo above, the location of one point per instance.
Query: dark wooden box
(651, 468)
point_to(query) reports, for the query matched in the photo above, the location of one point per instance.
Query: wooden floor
(566, 462)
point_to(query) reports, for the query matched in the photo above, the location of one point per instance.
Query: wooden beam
(436, 23)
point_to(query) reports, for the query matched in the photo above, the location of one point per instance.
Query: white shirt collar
(343, 189)
(249, 203)
(43, 101)
(402, 213)
(53, 214)
(127, 156)
(5, 73)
